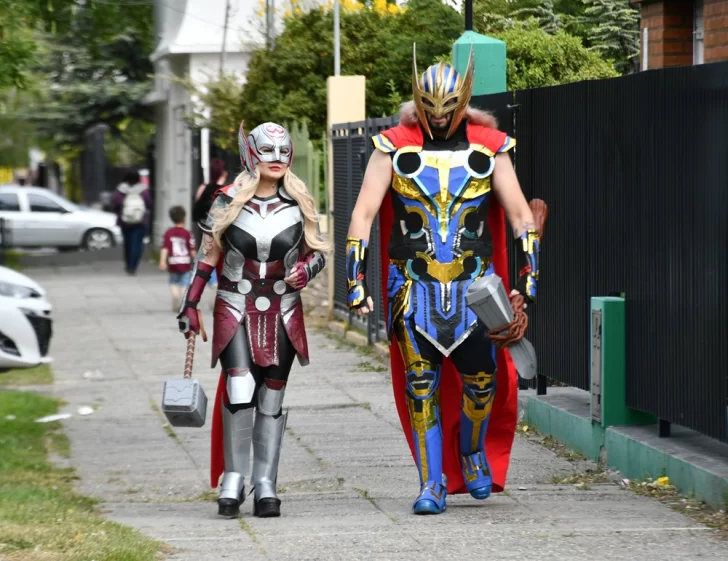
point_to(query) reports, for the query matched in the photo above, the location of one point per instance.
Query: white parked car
(37, 217)
(26, 326)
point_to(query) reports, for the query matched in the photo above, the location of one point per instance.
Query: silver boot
(237, 437)
(267, 439)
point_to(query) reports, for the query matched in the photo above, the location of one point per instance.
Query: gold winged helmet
(441, 90)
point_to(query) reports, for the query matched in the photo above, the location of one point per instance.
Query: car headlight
(17, 291)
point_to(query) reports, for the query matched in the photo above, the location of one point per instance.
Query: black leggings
(237, 355)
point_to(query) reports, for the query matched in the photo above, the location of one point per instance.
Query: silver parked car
(37, 217)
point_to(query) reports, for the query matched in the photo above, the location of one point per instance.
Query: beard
(440, 130)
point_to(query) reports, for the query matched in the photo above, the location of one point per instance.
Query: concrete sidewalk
(346, 476)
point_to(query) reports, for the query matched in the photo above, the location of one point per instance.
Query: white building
(189, 43)
(457, 4)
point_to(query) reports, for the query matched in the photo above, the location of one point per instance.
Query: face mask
(269, 142)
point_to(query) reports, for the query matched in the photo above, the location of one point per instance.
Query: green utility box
(490, 61)
(608, 369)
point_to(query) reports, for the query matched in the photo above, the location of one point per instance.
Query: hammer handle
(190, 355)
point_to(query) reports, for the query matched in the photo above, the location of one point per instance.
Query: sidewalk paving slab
(347, 479)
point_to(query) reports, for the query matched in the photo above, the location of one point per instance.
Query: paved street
(346, 475)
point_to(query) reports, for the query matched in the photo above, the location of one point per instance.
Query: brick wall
(670, 26)
(715, 42)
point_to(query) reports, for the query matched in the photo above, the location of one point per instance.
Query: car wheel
(98, 239)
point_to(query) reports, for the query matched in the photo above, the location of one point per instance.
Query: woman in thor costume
(262, 236)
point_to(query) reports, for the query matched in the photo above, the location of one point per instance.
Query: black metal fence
(635, 175)
(352, 148)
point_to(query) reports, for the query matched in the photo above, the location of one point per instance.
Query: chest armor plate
(265, 239)
(440, 200)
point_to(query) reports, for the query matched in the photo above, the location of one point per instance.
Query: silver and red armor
(261, 247)
(258, 329)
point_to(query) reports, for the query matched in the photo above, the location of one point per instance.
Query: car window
(9, 202)
(39, 203)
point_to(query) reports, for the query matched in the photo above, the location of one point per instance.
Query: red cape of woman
(217, 455)
(504, 415)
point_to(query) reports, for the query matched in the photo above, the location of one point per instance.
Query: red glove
(305, 270)
(300, 276)
(189, 321)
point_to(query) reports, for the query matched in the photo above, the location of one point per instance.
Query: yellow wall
(346, 103)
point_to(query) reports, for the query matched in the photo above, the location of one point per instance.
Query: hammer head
(184, 403)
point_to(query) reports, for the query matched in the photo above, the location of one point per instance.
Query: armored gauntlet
(356, 265)
(529, 246)
(188, 319)
(307, 269)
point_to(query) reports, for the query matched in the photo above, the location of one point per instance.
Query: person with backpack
(132, 202)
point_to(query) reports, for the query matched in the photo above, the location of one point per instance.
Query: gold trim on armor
(478, 409)
(422, 411)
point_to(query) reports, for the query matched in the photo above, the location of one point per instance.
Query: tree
(288, 83)
(96, 69)
(612, 28)
(536, 58)
(549, 20)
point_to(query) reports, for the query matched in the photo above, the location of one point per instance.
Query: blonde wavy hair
(296, 189)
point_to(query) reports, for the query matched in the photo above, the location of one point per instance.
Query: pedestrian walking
(261, 235)
(131, 203)
(178, 253)
(443, 185)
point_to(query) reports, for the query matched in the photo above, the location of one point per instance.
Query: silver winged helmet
(268, 142)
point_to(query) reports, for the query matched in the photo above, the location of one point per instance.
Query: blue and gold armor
(437, 219)
(440, 243)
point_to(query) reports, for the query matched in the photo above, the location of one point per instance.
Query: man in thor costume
(442, 183)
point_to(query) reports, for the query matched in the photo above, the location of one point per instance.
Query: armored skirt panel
(260, 248)
(440, 241)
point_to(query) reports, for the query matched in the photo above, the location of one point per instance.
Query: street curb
(76, 258)
(694, 463)
(380, 348)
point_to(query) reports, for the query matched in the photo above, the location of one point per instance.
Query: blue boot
(478, 395)
(476, 472)
(431, 499)
(424, 409)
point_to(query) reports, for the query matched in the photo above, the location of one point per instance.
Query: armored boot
(423, 402)
(478, 396)
(267, 439)
(237, 437)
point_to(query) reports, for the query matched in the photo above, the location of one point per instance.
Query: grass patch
(40, 375)
(561, 450)
(365, 351)
(41, 516)
(11, 260)
(367, 366)
(689, 506)
(583, 480)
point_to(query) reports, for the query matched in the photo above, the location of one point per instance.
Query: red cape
(217, 455)
(504, 415)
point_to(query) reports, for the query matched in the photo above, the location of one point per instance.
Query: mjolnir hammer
(487, 297)
(183, 401)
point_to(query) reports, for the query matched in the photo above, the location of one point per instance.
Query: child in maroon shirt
(178, 255)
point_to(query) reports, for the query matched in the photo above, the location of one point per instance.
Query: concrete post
(346, 104)
(490, 61)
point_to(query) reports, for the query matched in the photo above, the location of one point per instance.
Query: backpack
(134, 208)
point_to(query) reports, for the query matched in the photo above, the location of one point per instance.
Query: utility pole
(337, 41)
(224, 37)
(270, 32)
(468, 15)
